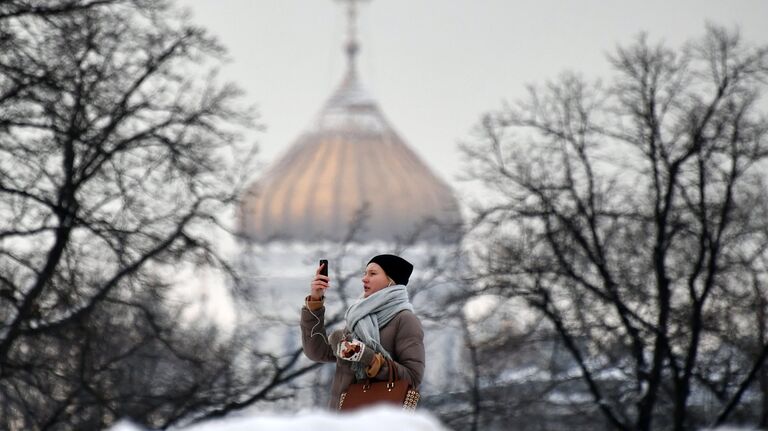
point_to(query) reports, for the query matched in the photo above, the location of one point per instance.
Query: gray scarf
(366, 315)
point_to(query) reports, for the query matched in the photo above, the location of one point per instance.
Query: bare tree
(514, 373)
(117, 146)
(43, 8)
(627, 216)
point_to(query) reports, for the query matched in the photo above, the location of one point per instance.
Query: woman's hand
(319, 284)
(347, 348)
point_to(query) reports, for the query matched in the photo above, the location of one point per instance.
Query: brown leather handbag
(394, 391)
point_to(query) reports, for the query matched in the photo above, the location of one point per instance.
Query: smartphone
(324, 264)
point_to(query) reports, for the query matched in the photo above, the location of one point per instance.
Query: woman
(379, 325)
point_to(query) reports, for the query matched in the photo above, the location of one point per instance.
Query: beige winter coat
(402, 337)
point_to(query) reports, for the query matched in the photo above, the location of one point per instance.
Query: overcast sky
(436, 65)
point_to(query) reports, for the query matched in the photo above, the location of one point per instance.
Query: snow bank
(730, 428)
(375, 419)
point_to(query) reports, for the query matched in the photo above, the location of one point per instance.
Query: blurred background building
(350, 160)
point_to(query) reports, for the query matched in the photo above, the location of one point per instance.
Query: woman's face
(374, 279)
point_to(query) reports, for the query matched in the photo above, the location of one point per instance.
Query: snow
(374, 419)
(728, 428)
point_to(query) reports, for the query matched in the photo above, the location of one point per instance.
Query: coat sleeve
(408, 352)
(314, 339)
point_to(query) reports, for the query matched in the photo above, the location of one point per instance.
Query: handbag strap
(392, 374)
(392, 371)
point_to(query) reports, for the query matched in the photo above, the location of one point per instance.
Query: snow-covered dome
(350, 158)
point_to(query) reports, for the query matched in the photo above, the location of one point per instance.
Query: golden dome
(349, 159)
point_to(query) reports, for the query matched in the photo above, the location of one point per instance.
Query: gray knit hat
(397, 268)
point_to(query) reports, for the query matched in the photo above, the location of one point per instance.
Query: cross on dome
(352, 45)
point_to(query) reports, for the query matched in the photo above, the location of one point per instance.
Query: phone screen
(324, 269)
